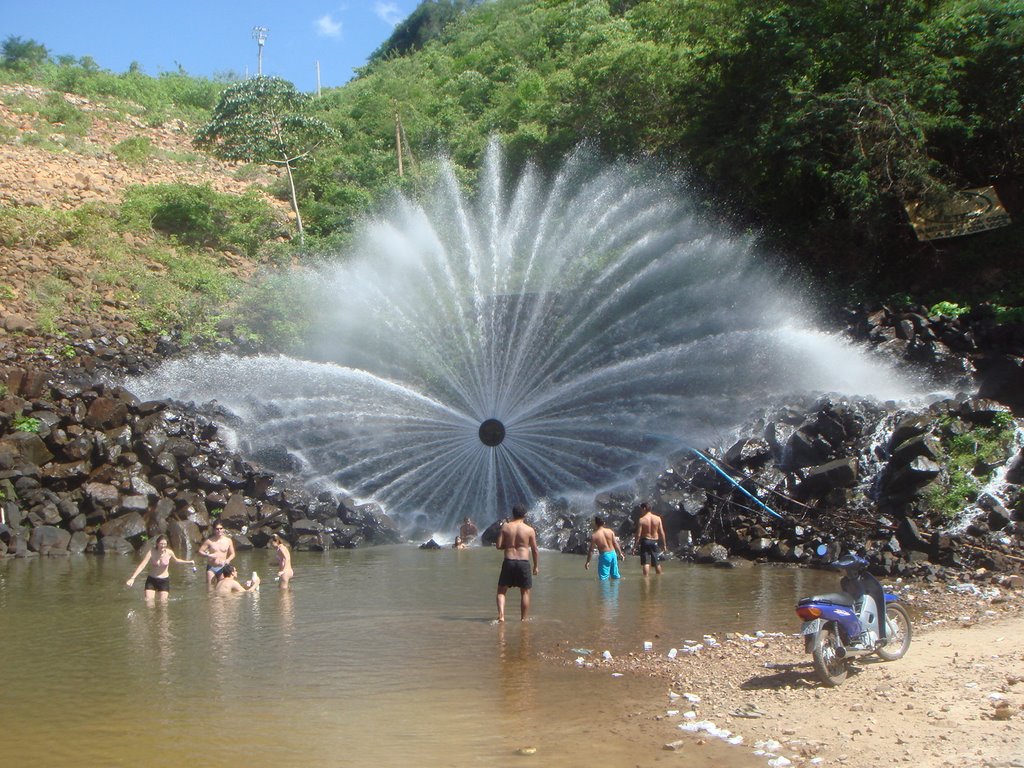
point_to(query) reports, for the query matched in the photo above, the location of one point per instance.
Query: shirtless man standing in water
(649, 533)
(519, 541)
(606, 543)
(219, 551)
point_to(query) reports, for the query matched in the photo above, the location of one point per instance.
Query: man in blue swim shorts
(606, 543)
(519, 541)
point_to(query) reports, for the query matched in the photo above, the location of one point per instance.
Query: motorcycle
(845, 625)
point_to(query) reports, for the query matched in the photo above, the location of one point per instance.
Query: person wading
(519, 541)
(606, 542)
(649, 534)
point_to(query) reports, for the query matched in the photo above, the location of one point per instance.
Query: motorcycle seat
(832, 598)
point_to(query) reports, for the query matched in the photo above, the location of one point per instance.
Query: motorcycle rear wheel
(897, 625)
(829, 663)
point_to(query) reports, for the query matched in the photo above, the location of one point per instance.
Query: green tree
(265, 120)
(16, 53)
(422, 25)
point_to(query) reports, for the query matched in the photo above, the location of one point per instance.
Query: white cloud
(389, 12)
(328, 27)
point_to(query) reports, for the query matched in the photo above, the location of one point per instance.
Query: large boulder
(49, 540)
(819, 480)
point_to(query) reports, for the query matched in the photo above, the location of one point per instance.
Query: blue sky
(212, 36)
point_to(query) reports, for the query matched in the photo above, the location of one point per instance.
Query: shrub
(134, 151)
(969, 454)
(57, 111)
(200, 216)
(37, 227)
(949, 309)
(26, 424)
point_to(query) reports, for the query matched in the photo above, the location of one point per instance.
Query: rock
(841, 473)
(106, 413)
(49, 540)
(711, 553)
(27, 445)
(128, 526)
(113, 545)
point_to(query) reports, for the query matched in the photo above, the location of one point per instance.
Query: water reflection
(517, 669)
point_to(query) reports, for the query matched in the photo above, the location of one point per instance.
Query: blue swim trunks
(608, 565)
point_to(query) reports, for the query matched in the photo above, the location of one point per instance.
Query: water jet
(544, 336)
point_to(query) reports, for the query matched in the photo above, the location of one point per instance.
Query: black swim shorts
(515, 573)
(158, 585)
(648, 549)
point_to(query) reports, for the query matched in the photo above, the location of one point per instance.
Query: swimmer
(606, 542)
(519, 540)
(227, 582)
(283, 560)
(219, 550)
(159, 558)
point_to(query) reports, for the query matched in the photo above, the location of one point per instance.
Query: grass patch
(136, 150)
(970, 454)
(37, 227)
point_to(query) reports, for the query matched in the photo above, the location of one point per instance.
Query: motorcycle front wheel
(897, 632)
(829, 662)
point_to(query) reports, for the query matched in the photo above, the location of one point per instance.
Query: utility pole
(259, 34)
(318, 78)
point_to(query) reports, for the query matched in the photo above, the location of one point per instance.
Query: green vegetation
(26, 424)
(136, 150)
(949, 309)
(812, 122)
(170, 95)
(265, 120)
(971, 454)
(37, 227)
(200, 216)
(815, 119)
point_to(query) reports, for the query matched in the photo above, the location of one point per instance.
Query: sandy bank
(939, 706)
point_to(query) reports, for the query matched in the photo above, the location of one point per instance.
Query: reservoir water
(384, 656)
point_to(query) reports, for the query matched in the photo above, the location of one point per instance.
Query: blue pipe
(732, 480)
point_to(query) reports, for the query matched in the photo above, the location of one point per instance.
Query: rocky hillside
(85, 466)
(45, 172)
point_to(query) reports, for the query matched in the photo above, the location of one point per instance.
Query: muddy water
(386, 656)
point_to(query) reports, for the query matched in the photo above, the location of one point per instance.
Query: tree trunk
(295, 201)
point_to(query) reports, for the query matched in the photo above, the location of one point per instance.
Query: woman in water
(227, 582)
(283, 560)
(159, 557)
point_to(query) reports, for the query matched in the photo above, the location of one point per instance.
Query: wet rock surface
(90, 468)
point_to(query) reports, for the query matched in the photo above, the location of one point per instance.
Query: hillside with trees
(811, 122)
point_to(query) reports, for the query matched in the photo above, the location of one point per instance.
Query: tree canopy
(264, 120)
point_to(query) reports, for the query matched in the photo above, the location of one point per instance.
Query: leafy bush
(135, 150)
(970, 453)
(200, 216)
(26, 424)
(56, 110)
(275, 310)
(949, 309)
